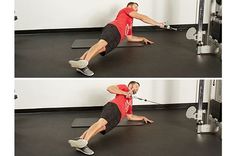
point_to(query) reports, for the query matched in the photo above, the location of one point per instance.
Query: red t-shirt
(124, 22)
(124, 104)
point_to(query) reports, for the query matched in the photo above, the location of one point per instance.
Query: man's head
(133, 5)
(134, 86)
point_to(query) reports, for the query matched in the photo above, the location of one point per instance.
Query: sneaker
(86, 150)
(85, 71)
(80, 143)
(78, 63)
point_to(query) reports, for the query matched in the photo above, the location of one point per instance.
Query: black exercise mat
(87, 122)
(87, 43)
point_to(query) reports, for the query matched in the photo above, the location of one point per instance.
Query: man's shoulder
(126, 9)
(122, 85)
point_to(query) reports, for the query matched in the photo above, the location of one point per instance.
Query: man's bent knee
(103, 128)
(102, 42)
(102, 122)
(102, 50)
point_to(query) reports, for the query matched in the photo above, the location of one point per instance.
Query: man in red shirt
(112, 34)
(113, 112)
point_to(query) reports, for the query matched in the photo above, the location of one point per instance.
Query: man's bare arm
(132, 38)
(146, 19)
(133, 117)
(115, 90)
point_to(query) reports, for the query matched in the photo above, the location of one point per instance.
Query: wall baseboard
(94, 108)
(137, 29)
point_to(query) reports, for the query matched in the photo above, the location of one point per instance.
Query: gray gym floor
(172, 134)
(172, 55)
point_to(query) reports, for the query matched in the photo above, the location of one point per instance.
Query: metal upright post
(209, 23)
(207, 126)
(200, 102)
(200, 24)
(211, 90)
(205, 45)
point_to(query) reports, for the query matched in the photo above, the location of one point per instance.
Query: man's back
(124, 22)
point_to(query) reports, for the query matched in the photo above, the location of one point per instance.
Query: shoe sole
(79, 70)
(78, 143)
(78, 64)
(78, 149)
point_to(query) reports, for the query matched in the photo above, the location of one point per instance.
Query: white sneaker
(78, 64)
(80, 143)
(86, 150)
(85, 71)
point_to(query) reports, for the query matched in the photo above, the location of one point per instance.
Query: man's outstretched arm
(133, 117)
(146, 19)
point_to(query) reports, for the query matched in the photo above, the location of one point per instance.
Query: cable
(141, 99)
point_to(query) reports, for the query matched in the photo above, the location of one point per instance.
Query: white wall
(51, 93)
(56, 14)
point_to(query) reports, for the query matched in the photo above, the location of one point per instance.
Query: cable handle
(169, 27)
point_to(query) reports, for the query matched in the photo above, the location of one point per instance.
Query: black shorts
(112, 114)
(111, 35)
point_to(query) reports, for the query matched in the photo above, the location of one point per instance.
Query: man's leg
(95, 128)
(84, 134)
(83, 57)
(88, 134)
(87, 56)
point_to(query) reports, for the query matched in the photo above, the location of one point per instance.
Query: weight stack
(216, 110)
(216, 30)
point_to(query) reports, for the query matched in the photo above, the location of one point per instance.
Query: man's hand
(133, 117)
(132, 38)
(162, 24)
(146, 120)
(129, 94)
(146, 41)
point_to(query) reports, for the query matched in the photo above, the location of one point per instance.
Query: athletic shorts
(111, 35)
(112, 114)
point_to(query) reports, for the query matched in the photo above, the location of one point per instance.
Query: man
(112, 34)
(114, 111)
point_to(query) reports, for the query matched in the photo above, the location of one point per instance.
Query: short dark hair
(133, 82)
(132, 3)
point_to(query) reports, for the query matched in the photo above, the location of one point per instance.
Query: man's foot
(80, 143)
(86, 150)
(78, 64)
(85, 71)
